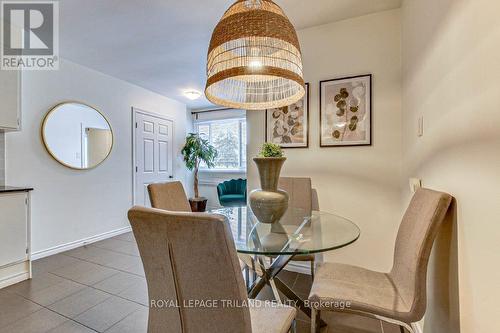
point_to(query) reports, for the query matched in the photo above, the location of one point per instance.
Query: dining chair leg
(403, 327)
(312, 270)
(293, 328)
(247, 277)
(315, 321)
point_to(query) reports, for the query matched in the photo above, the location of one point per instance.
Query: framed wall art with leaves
(346, 111)
(288, 126)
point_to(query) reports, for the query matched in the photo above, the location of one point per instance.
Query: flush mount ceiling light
(192, 94)
(254, 59)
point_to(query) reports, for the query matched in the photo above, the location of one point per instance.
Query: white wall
(70, 205)
(360, 183)
(451, 55)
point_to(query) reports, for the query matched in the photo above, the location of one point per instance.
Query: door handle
(170, 177)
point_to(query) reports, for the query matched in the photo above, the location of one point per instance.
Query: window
(229, 137)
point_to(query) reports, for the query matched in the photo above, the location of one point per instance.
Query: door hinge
(136, 169)
(26, 201)
(27, 250)
(136, 125)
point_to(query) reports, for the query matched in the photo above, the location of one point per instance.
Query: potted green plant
(269, 203)
(195, 151)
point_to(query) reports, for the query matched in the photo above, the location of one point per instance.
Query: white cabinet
(15, 265)
(10, 100)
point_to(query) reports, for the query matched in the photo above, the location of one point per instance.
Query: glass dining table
(270, 247)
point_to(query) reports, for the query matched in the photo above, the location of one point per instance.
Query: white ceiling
(161, 45)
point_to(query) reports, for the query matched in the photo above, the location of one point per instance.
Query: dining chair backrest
(417, 232)
(169, 196)
(299, 191)
(233, 186)
(189, 258)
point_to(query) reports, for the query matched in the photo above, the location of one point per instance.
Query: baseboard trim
(417, 327)
(13, 279)
(73, 245)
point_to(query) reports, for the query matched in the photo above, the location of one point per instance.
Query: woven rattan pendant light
(254, 59)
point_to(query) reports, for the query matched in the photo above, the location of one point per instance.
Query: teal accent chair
(232, 193)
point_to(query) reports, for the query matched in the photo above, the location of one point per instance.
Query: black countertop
(5, 189)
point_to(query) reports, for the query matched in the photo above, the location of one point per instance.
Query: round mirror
(77, 135)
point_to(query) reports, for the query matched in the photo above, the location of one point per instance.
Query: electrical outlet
(415, 184)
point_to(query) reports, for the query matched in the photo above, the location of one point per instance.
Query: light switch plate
(420, 126)
(415, 184)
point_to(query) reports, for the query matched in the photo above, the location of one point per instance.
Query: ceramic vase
(269, 204)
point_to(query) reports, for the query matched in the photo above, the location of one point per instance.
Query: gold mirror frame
(53, 155)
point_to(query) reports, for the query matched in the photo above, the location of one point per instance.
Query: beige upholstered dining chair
(172, 197)
(302, 196)
(398, 296)
(169, 196)
(193, 276)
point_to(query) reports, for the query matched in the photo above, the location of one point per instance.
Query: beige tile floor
(101, 288)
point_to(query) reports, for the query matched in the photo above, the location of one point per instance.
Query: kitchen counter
(6, 189)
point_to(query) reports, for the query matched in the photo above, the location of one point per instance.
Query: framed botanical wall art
(289, 126)
(346, 111)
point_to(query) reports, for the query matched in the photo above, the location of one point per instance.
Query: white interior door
(153, 153)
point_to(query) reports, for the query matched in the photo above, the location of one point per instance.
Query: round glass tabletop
(298, 232)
